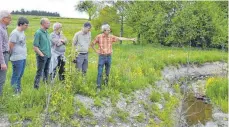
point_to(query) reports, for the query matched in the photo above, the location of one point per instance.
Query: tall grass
(133, 67)
(217, 90)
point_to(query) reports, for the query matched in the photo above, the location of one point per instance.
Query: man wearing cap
(81, 41)
(5, 20)
(105, 41)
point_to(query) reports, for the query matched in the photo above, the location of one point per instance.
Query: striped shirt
(4, 46)
(105, 43)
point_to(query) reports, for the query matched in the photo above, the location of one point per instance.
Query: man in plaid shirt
(105, 41)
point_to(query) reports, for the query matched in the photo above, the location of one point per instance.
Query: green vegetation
(140, 118)
(199, 23)
(98, 102)
(166, 96)
(155, 96)
(83, 111)
(133, 67)
(110, 119)
(217, 90)
(172, 23)
(122, 114)
(176, 87)
(165, 114)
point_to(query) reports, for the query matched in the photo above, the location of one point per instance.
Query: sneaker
(98, 90)
(36, 87)
(17, 91)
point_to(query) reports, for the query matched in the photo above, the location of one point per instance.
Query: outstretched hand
(134, 39)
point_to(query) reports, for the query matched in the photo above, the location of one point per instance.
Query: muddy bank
(136, 104)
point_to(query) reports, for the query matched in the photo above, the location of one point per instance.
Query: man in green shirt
(42, 47)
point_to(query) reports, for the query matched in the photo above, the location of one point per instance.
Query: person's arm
(12, 42)
(116, 39)
(74, 43)
(93, 47)
(63, 38)
(55, 41)
(11, 45)
(93, 44)
(36, 44)
(75, 39)
(38, 51)
(125, 39)
(2, 60)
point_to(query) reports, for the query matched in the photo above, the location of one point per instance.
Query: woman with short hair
(58, 42)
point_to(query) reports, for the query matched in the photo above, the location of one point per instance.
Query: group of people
(50, 50)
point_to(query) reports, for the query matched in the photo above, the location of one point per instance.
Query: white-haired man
(42, 47)
(5, 20)
(105, 41)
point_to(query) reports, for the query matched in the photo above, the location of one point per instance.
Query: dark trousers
(60, 66)
(3, 73)
(42, 70)
(82, 62)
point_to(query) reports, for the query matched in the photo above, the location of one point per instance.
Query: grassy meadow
(133, 67)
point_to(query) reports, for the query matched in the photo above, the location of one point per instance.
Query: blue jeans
(42, 70)
(103, 60)
(18, 70)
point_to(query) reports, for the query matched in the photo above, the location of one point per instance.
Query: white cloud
(64, 7)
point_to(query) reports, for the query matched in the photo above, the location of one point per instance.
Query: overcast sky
(64, 7)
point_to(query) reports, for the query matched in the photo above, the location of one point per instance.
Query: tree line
(170, 23)
(35, 12)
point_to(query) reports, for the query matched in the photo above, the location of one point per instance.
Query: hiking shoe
(36, 87)
(98, 90)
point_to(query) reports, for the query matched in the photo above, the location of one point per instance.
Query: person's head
(106, 29)
(87, 27)
(23, 23)
(5, 17)
(45, 23)
(57, 27)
